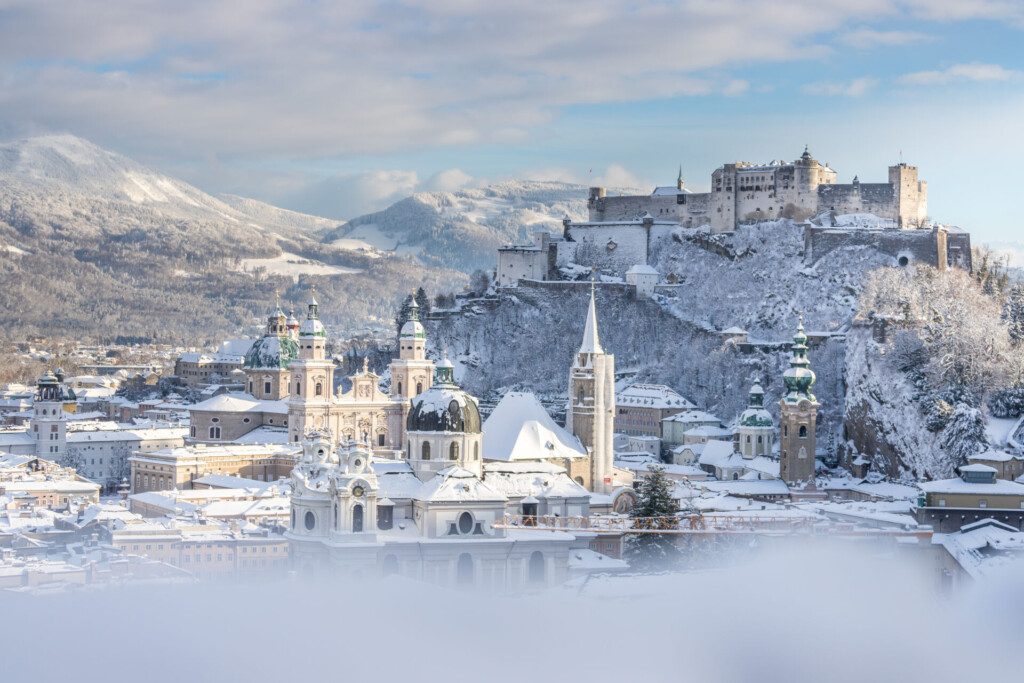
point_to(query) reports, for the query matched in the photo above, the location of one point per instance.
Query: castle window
(453, 451)
(425, 451)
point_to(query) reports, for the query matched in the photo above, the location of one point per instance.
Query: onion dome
(755, 415)
(271, 351)
(293, 323)
(413, 328)
(311, 326)
(799, 378)
(444, 407)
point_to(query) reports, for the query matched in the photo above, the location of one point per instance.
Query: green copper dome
(799, 378)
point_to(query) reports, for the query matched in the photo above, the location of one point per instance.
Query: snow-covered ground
(293, 265)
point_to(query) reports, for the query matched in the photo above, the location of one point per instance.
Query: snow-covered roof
(520, 429)
(265, 434)
(537, 480)
(693, 417)
(239, 403)
(716, 452)
(710, 432)
(748, 487)
(228, 481)
(457, 485)
(656, 396)
(642, 269)
(958, 485)
(993, 455)
(591, 341)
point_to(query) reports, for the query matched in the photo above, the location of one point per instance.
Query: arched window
(298, 388)
(536, 570)
(215, 432)
(464, 570)
(803, 431)
(399, 393)
(310, 520)
(425, 451)
(319, 389)
(453, 451)
(785, 430)
(357, 519)
(419, 388)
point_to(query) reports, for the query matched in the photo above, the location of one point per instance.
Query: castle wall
(931, 247)
(612, 246)
(516, 264)
(688, 209)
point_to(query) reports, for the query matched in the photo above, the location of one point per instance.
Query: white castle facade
(742, 192)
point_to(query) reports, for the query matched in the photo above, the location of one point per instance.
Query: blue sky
(339, 109)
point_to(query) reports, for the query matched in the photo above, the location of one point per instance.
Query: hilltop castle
(743, 192)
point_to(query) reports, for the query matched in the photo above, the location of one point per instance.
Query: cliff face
(882, 419)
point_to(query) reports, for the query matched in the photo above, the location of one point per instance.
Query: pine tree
(964, 434)
(423, 301)
(403, 313)
(655, 509)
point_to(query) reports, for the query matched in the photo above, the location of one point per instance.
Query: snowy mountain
(99, 244)
(463, 229)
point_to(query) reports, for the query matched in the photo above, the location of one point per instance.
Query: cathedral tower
(799, 415)
(756, 429)
(49, 419)
(411, 372)
(267, 360)
(312, 378)
(590, 413)
(444, 428)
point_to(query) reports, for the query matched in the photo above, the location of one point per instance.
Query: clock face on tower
(357, 491)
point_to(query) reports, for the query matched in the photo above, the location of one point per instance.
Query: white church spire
(591, 342)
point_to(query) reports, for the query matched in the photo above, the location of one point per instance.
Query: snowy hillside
(463, 229)
(97, 244)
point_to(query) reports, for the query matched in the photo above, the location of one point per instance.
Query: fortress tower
(798, 416)
(910, 194)
(590, 414)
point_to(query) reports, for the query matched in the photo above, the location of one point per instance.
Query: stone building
(535, 261)
(640, 408)
(798, 417)
(177, 468)
(977, 494)
(744, 192)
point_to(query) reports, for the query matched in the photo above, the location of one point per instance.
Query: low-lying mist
(793, 614)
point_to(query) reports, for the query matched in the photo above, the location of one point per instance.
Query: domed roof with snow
(755, 415)
(271, 351)
(444, 407)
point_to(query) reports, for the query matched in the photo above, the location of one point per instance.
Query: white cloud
(353, 195)
(867, 38)
(974, 71)
(854, 88)
(619, 177)
(449, 181)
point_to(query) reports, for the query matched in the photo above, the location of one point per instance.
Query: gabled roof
(457, 485)
(520, 429)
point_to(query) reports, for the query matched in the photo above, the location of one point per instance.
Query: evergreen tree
(964, 434)
(423, 301)
(403, 314)
(655, 509)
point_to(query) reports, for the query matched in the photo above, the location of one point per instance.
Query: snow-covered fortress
(743, 192)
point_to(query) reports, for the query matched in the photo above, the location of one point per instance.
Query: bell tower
(411, 372)
(311, 383)
(49, 419)
(798, 416)
(590, 413)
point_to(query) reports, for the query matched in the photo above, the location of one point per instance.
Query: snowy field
(293, 265)
(807, 616)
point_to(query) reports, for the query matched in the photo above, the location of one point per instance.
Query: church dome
(755, 415)
(271, 351)
(413, 329)
(444, 407)
(312, 327)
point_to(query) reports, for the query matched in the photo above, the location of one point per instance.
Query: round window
(465, 523)
(310, 520)
(358, 463)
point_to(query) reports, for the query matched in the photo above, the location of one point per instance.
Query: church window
(214, 432)
(785, 430)
(465, 523)
(419, 388)
(266, 388)
(476, 451)
(192, 431)
(803, 432)
(425, 451)
(535, 572)
(319, 390)
(464, 570)
(759, 438)
(357, 519)
(380, 440)
(310, 520)
(453, 451)
(748, 438)
(399, 388)
(245, 420)
(298, 387)
(250, 386)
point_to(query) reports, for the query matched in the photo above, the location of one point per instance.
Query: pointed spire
(591, 342)
(414, 308)
(313, 307)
